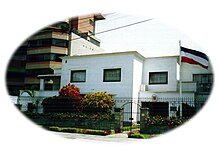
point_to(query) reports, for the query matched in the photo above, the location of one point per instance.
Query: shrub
(83, 131)
(69, 100)
(69, 91)
(62, 104)
(69, 116)
(136, 135)
(163, 121)
(98, 102)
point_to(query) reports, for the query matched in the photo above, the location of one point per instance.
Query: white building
(131, 75)
(119, 74)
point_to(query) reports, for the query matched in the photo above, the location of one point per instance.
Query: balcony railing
(186, 87)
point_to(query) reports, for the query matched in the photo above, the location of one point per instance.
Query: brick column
(143, 116)
(119, 117)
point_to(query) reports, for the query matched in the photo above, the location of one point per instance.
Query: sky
(151, 38)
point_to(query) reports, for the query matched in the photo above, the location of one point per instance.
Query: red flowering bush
(69, 100)
(69, 91)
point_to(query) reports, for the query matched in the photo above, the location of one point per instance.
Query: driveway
(120, 137)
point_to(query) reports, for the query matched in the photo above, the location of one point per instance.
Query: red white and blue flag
(194, 57)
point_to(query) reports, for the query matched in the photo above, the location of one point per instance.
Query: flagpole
(180, 81)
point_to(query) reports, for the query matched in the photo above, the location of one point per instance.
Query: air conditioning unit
(143, 87)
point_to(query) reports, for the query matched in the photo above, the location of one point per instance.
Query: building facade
(41, 52)
(131, 76)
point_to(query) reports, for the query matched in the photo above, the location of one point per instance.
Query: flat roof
(106, 53)
(136, 53)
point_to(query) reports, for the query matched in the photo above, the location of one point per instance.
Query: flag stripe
(195, 58)
(194, 52)
(191, 61)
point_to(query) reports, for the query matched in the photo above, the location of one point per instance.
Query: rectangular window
(112, 75)
(158, 77)
(60, 42)
(48, 42)
(78, 76)
(204, 82)
(92, 22)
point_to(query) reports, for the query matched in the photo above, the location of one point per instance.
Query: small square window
(78, 76)
(158, 77)
(112, 75)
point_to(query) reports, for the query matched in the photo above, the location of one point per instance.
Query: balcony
(46, 93)
(49, 34)
(187, 86)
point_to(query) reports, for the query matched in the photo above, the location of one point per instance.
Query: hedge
(83, 131)
(70, 116)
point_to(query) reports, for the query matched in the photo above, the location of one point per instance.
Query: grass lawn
(138, 135)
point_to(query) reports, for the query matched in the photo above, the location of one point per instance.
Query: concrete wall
(188, 70)
(137, 75)
(80, 46)
(137, 78)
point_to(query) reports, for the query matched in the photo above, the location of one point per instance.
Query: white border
(198, 19)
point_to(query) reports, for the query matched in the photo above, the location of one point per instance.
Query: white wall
(137, 78)
(80, 46)
(137, 75)
(94, 66)
(188, 70)
(161, 64)
(148, 95)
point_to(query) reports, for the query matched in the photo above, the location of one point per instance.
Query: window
(59, 42)
(158, 77)
(48, 42)
(92, 22)
(204, 82)
(112, 75)
(34, 72)
(44, 57)
(78, 76)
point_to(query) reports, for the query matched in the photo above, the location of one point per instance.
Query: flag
(194, 57)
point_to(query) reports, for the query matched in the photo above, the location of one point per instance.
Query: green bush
(62, 104)
(138, 136)
(69, 116)
(83, 131)
(99, 102)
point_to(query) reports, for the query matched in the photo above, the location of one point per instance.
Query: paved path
(120, 137)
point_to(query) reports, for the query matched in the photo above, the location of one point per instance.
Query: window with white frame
(158, 77)
(78, 76)
(112, 75)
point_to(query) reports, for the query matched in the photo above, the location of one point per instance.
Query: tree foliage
(98, 102)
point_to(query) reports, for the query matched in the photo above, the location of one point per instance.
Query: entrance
(131, 115)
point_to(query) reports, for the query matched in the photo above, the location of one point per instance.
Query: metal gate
(131, 115)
